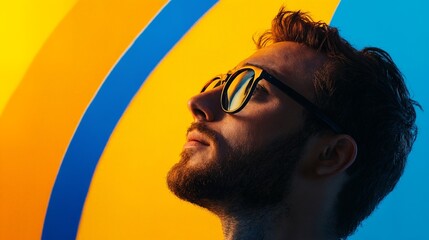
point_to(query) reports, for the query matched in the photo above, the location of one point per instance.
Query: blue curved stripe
(76, 171)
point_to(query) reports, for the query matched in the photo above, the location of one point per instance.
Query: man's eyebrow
(244, 65)
(251, 64)
(271, 71)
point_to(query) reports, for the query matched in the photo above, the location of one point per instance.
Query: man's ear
(336, 154)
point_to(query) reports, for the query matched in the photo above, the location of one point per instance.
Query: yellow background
(128, 197)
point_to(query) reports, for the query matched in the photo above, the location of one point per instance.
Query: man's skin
(306, 211)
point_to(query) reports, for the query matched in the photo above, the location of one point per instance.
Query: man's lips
(195, 138)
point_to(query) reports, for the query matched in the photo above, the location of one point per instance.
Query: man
(301, 140)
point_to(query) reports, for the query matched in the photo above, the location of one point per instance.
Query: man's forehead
(283, 55)
(290, 62)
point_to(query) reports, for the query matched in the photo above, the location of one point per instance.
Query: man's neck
(270, 224)
(244, 226)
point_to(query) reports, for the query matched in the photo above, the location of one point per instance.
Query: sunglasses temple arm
(306, 104)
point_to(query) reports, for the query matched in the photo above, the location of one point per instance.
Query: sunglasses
(238, 87)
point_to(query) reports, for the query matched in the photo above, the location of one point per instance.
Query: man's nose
(206, 106)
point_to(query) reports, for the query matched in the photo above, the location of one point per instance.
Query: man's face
(249, 157)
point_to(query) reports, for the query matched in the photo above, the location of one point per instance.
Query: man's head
(246, 159)
(276, 151)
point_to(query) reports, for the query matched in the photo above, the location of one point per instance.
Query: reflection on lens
(238, 90)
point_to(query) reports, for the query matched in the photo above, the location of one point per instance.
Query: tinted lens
(237, 90)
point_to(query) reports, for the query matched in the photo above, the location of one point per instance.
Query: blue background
(401, 29)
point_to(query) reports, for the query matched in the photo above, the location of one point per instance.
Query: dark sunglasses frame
(260, 74)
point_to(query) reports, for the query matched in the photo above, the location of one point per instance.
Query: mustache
(204, 129)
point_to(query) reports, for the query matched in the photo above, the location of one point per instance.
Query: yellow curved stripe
(25, 26)
(128, 198)
(40, 118)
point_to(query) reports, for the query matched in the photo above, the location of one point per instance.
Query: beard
(243, 179)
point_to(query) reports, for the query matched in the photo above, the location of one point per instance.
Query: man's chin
(185, 180)
(196, 176)
(195, 159)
